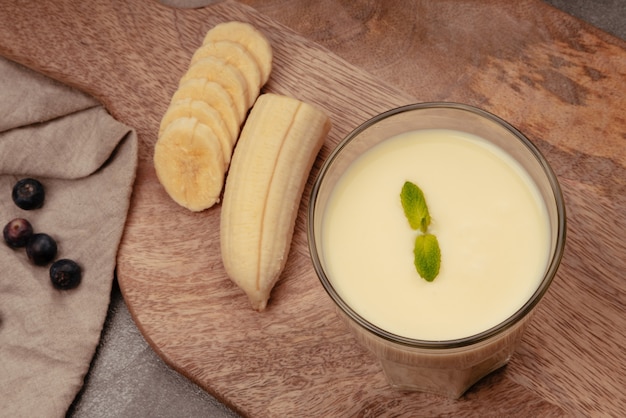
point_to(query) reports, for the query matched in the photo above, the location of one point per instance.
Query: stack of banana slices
(268, 168)
(199, 130)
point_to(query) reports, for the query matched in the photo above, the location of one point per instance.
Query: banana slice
(189, 164)
(206, 115)
(236, 55)
(214, 95)
(215, 69)
(270, 165)
(251, 38)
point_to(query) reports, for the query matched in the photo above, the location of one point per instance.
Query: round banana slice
(189, 164)
(207, 115)
(234, 54)
(215, 69)
(251, 38)
(213, 94)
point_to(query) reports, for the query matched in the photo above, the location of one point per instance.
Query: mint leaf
(414, 205)
(427, 256)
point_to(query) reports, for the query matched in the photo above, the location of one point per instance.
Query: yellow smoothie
(487, 214)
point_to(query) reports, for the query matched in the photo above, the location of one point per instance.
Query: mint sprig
(426, 252)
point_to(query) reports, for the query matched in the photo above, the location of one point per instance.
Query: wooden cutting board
(560, 81)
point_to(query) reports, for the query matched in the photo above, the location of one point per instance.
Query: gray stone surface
(128, 379)
(608, 15)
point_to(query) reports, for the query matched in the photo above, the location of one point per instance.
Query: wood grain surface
(560, 81)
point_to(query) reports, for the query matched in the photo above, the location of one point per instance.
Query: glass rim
(522, 312)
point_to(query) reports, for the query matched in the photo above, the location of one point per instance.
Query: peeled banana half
(271, 163)
(224, 78)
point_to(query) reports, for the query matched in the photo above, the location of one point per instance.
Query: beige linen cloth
(86, 161)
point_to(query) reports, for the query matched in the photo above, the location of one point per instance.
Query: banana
(189, 163)
(216, 69)
(214, 95)
(270, 165)
(206, 115)
(251, 38)
(200, 128)
(236, 55)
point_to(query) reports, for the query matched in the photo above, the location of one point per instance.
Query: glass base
(447, 371)
(451, 383)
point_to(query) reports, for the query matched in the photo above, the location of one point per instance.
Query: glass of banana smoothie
(436, 229)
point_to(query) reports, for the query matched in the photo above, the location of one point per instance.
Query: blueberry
(28, 194)
(17, 232)
(41, 249)
(65, 274)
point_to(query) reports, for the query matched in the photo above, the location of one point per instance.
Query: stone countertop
(128, 379)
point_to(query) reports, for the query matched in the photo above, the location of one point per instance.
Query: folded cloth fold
(86, 161)
(29, 97)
